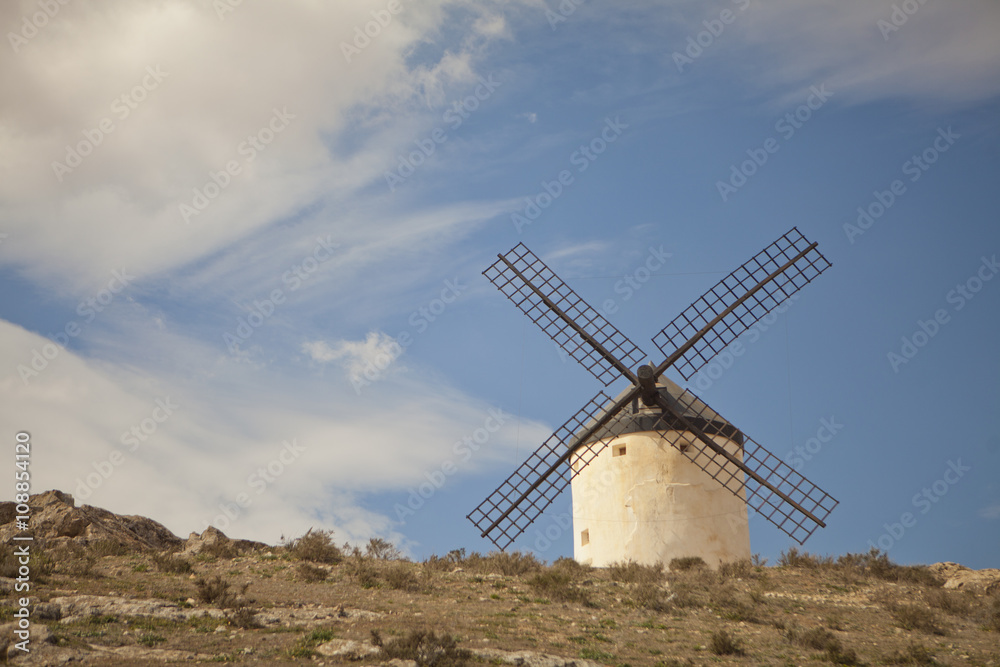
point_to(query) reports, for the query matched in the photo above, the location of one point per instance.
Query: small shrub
(427, 649)
(244, 617)
(316, 546)
(570, 565)
(955, 604)
(737, 569)
(401, 577)
(167, 562)
(310, 573)
(915, 654)
(557, 585)
(216, 591)
(723, 643)
(993, 615)
(629, 572)
(510, 564)
(151, 640)
(687, 563)
(804, 560)
(363, 573)
(382, 549)
(914, 617)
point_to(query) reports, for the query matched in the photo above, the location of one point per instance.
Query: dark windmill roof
(637, 417)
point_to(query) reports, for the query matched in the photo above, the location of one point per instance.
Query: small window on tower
(584, 538)
(619, 450)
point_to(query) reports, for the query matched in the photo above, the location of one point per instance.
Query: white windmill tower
(656, 473)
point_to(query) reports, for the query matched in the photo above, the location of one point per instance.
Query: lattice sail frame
(724, 293)
(755, 456)
(537, 482)
(523, 290)
(545, 457)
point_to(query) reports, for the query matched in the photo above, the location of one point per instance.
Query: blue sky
(261, 237)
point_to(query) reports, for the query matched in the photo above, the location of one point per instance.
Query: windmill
(655, 472)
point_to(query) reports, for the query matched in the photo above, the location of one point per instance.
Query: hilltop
(123, 590)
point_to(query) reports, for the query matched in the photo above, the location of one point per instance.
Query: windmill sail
(576, 327)
(783, 496)
(751, 292)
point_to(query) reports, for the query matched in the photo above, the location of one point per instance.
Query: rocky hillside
(123, 590)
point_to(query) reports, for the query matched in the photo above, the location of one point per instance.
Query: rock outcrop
(959, 577)
(55, 518)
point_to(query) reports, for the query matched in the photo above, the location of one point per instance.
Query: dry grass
(811, 610)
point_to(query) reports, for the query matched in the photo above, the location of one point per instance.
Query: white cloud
(371, 356)
(225, 433)
(218, 87)
(945, 53)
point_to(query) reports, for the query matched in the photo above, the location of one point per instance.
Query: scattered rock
(213, 540)
(960, 577)
(347, 649)
(531, 659)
